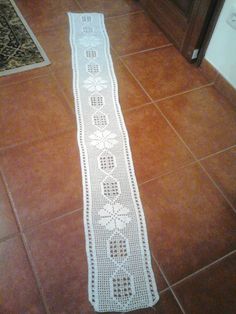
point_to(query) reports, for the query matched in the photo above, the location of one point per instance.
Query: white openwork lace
(120, 273)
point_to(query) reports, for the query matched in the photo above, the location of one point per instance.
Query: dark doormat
(19, 48)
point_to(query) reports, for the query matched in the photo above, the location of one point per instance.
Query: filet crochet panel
(120, 273)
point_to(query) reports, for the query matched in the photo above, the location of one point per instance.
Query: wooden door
(185, 22)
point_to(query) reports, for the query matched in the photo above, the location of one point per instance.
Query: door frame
(194, 32)
(213, 18)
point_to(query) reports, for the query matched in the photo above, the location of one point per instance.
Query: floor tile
(204, 119)
(160, 280)
(58, 250)
(212, 291)
(7, 219)
(165, 305)
(155, 147)
(64, 77)
(222, 168)
(44, 178)
(110, 8)
(208, 70)
(164, 72)
(130, 93)
(31, 109)
(58, 51)
(30, 8)
(24, 76)
(19, 293)
(226, 89)
(47, 14)
(189, 223)
(135, 32)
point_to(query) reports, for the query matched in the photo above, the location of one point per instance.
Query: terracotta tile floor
(183, 139)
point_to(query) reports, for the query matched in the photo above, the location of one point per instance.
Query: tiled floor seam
(182, 140)
(175, 131)
(27, 250)
(136, 107)
(185, 92)
(10, 236)
(138, 82)
(79, 5)
(168, 172)
(45, 222)
(34, 270)
(112, 16)
(196, 159)
(169, 286)
(217, 153)
(164, 98)
(206, 267)
(203, 268)
(66, 98)
(145, 50)
(35, 140)
(217, 186)
(26, 79)
(35, 227)
(125, 14)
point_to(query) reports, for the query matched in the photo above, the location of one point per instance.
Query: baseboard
(220, 83)
(224, 87)
(209, 71)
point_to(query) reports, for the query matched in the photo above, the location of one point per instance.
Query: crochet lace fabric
(120, 273)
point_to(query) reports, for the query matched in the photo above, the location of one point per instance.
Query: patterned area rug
(120, 273)
(19, 49)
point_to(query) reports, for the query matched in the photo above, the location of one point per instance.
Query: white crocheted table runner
(120, 273)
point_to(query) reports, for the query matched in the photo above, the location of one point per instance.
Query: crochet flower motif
(103, 140)
(95, 84)
(114, 216)
(89, 41)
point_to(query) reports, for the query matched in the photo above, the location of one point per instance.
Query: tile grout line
(125, 14)
(138, 82)
(168, 172)
(203, 268)
(79, 5)
(217, 153)
(33, 227)
(161, 99)
(26, 79)
(175, 131)
(137, 107)
(190, 151)
(188, 148)
(196, 159)
(217, 186)
(10, 236)
(184, 92)
(26, 246)
(70, 109)
(35, 140)
(112, 16)
(155, 103)
(177, 134)
(45, 222)
(169, 286)
(145, 50)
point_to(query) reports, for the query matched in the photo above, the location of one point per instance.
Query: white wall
(221, 52)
